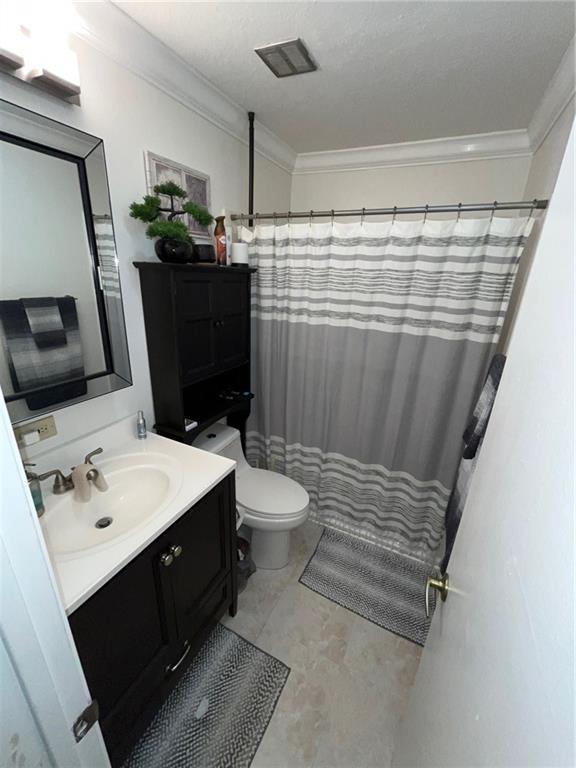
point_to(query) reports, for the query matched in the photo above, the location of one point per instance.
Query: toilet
(271, 505)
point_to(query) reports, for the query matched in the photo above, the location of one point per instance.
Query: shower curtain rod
(397, 210)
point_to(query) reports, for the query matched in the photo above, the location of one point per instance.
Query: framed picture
(197, 185)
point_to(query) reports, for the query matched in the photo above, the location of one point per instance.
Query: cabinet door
(123, 638)
(196, 575)
(233, 331)
(197, 326)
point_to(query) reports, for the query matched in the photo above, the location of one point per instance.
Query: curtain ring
(274, 215)
(310, 220)
(534, 203)
(394, 214)
(426, 212)
(459, 211)
(362, 217)
(332, 216)
(494, 207)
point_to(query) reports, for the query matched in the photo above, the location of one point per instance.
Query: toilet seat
(267, 495)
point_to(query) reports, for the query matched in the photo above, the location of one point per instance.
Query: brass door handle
(441, 584)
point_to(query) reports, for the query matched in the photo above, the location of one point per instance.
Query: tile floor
(349, 679)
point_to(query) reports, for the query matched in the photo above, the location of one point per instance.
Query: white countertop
(80, 575)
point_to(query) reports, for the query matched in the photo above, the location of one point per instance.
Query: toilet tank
(223, 440)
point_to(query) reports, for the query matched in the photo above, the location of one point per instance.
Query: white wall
(540, 183)
(20, 737)
(470, 181)
(495, 686)
(132, 116)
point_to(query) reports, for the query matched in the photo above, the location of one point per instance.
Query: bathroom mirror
(62, 331)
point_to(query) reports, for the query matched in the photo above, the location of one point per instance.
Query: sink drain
(104, 522)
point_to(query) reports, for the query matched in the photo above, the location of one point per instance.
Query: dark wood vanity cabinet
(197, 320)
(138, 633)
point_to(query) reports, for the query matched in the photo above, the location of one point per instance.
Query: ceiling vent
(287, 59)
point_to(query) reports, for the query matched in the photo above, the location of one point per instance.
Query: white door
(495, 685)
(42, 686)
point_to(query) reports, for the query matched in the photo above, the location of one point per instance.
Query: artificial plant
(162, 221)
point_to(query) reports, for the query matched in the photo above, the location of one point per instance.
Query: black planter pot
(173, 251)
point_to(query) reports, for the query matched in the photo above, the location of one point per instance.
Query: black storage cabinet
(197, 320)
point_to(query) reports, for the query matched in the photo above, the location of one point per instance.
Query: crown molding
(557, 97)
(111, 31)
(481, 146)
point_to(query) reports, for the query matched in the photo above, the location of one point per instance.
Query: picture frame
(197, 184)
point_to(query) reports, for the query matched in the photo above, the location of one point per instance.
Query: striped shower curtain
(371, 342)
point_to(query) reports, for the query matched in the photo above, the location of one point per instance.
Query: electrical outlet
(44, 428)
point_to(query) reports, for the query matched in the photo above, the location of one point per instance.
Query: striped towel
(43, 347)
(473, 436)
(107, 257)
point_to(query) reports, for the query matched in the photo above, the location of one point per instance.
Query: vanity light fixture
(13, 46)
(57, 72)
(34, 47)
(288, 58)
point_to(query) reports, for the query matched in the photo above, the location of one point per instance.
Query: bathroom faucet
(62, 482)
(85, 475)
(79, 480)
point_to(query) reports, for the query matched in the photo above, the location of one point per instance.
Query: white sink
(140, 486)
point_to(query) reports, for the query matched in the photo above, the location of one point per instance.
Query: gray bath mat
(218, 712)
(381, 586)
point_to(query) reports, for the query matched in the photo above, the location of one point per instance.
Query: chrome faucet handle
(88, 457)
(30, 475)
(62, 482)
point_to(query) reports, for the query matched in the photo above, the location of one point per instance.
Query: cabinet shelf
(210, 415)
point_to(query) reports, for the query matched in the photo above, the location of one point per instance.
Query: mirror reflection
(61, 318)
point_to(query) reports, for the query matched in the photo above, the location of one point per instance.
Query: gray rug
(381, 586)
(218, 712)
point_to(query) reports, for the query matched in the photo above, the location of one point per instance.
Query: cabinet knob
(167, 559)
(175, 550)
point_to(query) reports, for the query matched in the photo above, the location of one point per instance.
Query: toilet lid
(270, 494)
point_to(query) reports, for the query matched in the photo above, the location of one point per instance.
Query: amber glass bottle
(220, 237)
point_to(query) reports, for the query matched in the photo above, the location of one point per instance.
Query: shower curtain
(371, 342)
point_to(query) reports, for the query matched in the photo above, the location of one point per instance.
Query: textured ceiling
(388, 71)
